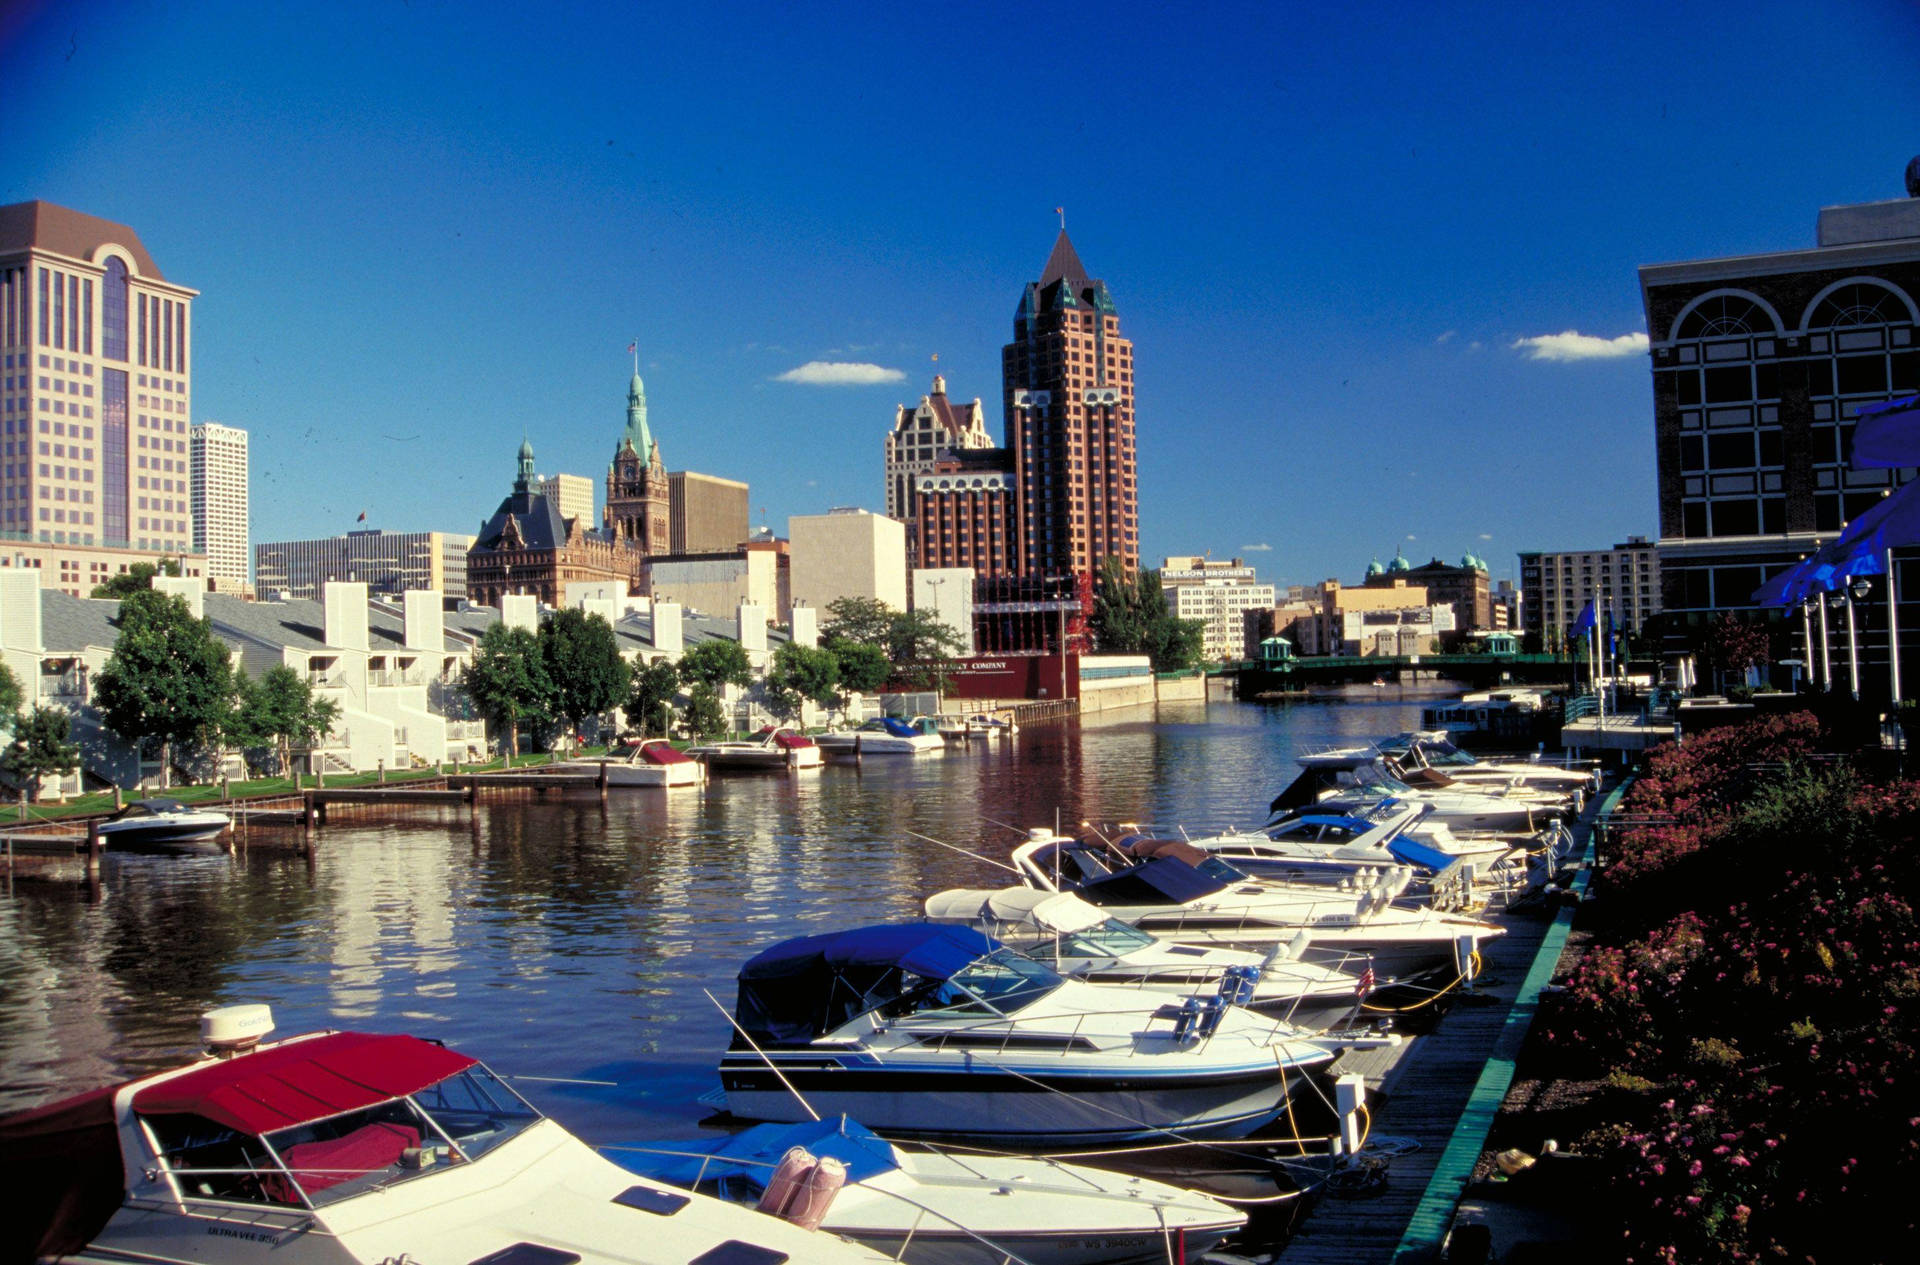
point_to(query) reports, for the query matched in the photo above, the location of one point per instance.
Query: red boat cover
(61, 1171)
(301, 1081)
(664, 753)
(791, 741)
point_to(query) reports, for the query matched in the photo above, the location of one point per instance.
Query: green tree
(281, 711)
(704, 715)
(169, 678)
(799, 675)
(1131, 616)
(10, 693)
(649, 705)
(863, 668)
(867, 621)
(508, 682)
(135, 579)
(583, 662)
(715, 663)
(42, 746)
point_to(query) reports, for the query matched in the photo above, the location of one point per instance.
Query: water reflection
(569, 938)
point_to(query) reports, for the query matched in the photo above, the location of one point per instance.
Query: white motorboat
(162, 824)
(935, 1208)
(1431, 755)
(883, 735)
(977, 725)
(774, 747)
(655, 762)
(1312, 845)
(1086, 943)
(1183, 894)
(938, 1031)
(1508, 809)
(343, 1147)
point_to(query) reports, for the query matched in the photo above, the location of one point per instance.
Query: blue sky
(423, 229)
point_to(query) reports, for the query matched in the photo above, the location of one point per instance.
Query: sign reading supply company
(1015, 676)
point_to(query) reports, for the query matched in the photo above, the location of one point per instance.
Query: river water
(572, 940)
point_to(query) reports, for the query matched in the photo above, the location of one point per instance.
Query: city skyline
(1383, 287)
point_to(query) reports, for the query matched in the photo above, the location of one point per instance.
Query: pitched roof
(1064, 264)
(74, 234)
(69, 624)
(538, 518)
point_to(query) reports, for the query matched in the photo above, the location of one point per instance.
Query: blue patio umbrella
(1888, 434)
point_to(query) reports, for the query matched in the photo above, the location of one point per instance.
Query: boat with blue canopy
(883, 735)
(940, 1031)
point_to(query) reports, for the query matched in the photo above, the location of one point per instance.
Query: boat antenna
(807, 1106)
(978, 856)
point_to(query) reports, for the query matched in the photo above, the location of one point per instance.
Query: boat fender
(1212, 1011)
(1184, 1019)
(810, 1203)
(785, 1184)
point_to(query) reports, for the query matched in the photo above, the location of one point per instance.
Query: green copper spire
(525, 482)
(637, 433)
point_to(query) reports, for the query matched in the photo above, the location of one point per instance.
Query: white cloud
(1260, 548)
(840, 373)
(1572, 345)
(1444, 339)
(1486, 535)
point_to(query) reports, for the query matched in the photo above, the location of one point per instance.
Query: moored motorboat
(162, 824)
(347, 1147)
(883, 735)
(938, 1031)
(1086, 943)
(933, 1208)
(774, 747)
(654, 762)
(1182, 894)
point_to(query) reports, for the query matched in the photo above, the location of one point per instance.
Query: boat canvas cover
(1141, 848)
(804, 988)
(898, 728)
(61, 1169)
(754, 1154)
(297, 1082)
(1165, 880)
(1409, 852)
(1059, 912)
(661, 752)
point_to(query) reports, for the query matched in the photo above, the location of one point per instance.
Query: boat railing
(707, 1160)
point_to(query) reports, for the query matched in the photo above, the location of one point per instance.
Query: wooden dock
(1439, 1091)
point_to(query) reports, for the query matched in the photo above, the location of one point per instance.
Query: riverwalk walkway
(1441, 1091)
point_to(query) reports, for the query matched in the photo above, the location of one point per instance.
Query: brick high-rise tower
(1067, 378)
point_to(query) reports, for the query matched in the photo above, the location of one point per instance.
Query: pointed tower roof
(1064, 265)
(637, 435)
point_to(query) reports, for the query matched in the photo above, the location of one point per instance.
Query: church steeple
(637, 433)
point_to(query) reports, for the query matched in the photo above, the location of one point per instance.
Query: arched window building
(1760, 364)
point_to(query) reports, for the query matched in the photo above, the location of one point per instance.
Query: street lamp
(1806, 632)
(1826, 647)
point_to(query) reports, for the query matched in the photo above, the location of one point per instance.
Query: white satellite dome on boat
(233, 1028)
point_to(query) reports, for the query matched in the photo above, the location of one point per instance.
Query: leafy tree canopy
(42, 747)
(801, 674)
(715, 663)
(583, 663)
(866, 621)
(281, 710)
(649, 705)
(1131, 616)
(10, 693)
(169, 678)
(135, 579)
(507, 680)
(863, 668)
(704, 715)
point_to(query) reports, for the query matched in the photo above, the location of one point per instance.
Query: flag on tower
(633, 347)
(362, 518)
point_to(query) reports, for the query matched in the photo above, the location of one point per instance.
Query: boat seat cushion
(371, 1148)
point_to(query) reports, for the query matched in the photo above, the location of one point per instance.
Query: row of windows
(66, 310)
(1853, 304)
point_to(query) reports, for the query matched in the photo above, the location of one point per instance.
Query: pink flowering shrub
(1760, 999)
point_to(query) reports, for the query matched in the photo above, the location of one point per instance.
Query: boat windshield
(1006, 981)
(1111, 938)
(1221, 872)
(450, 1122)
